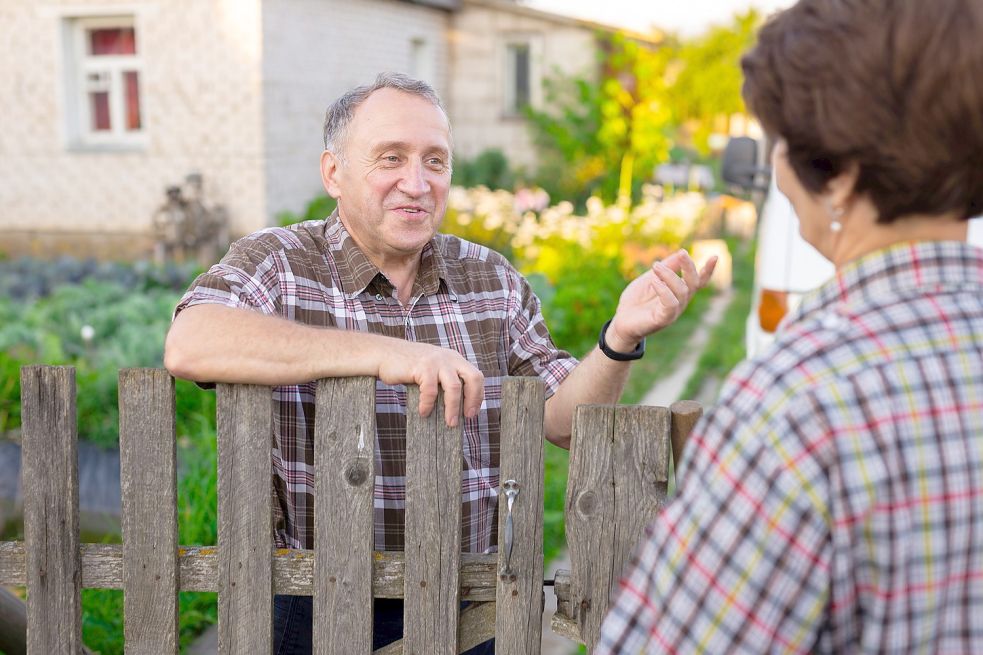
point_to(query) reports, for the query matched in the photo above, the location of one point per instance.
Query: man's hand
(430, 366)
(655, 299)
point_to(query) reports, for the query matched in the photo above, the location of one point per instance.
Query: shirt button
(831, 321)
(378, 297)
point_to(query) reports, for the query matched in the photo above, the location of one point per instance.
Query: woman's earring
(837, 213)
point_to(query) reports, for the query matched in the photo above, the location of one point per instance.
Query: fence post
(433, 530)
(51, 508)
(618, 479)
(519, 599)
(245, 519)
(344, 489)
(148, 477)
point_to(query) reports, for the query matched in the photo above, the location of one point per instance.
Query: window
(517, 78)
(104, 93)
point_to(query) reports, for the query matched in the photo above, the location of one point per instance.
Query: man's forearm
(597, 379)
(212, 343)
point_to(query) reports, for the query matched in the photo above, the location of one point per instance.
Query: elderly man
(375, 290)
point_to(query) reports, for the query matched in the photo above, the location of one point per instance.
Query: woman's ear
(840, 189)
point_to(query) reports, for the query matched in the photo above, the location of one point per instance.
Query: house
(109, 102)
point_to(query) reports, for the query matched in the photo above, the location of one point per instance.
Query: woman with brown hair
(833, 500)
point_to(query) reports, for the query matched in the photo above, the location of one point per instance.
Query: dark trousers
(293, 624)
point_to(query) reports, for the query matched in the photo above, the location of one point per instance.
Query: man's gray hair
(340, 113)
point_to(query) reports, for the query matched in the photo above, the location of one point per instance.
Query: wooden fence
(618, 477)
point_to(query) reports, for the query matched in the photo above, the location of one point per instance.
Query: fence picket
(245, 520)
(590, 534)
(344, 483)
(519, 601)
(685, 414)
(148, 476)
(433, 530)
(640, 475)
(51, 510)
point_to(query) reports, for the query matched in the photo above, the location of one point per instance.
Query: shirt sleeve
(531, 350)
(739, 561)
(250, 276)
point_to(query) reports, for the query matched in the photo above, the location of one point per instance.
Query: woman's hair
(895, 86)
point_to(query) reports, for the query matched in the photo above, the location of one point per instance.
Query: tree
(605, 138)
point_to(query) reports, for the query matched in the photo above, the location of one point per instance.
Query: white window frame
(80, 65)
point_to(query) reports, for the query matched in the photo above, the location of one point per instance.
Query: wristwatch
(614, 354)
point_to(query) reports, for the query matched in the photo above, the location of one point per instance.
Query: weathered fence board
(685, 414)
(344, 483)
(589, 534)
(618, 482)
(293, 570)
(640, 475)
(519, 602)
(245, 520)
(433, 530)
(51, 500)
(148, 476)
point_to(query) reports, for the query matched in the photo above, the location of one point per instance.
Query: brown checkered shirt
(466, 298)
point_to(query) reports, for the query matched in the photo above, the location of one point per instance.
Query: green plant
(317, 209)
(490, 169)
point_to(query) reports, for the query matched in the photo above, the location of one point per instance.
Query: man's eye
(436, 162)
(392, 159)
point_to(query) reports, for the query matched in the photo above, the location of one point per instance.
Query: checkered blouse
(466, 298)
(832, 501)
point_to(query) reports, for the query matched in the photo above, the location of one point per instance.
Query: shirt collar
(356, 272)
(903, 269)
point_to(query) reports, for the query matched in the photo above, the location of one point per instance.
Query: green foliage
(605, 138)
(706, 89)
(317, 209)
(490, 169)
(127, 329)
(584, 298)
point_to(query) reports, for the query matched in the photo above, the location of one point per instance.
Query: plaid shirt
(466, 298)
(832, 501)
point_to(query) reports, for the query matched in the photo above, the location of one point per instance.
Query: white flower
(87, 332)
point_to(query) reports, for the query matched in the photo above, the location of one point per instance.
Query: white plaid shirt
(466, 298)
(832, 501)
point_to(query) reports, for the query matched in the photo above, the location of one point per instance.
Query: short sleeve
(250, 276)
(531, 351)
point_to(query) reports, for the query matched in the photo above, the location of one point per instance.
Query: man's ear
(329, 173)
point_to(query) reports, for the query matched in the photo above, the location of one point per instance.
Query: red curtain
(113, 41)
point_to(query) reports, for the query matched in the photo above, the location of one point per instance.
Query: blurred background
(141, 136)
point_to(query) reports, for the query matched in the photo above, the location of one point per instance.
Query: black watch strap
(614, 354)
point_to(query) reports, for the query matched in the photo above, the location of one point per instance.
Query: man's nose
(413, 181)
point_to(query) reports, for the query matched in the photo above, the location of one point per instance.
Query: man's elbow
(178, 360)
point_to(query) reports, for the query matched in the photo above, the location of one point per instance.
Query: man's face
(393, 183)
